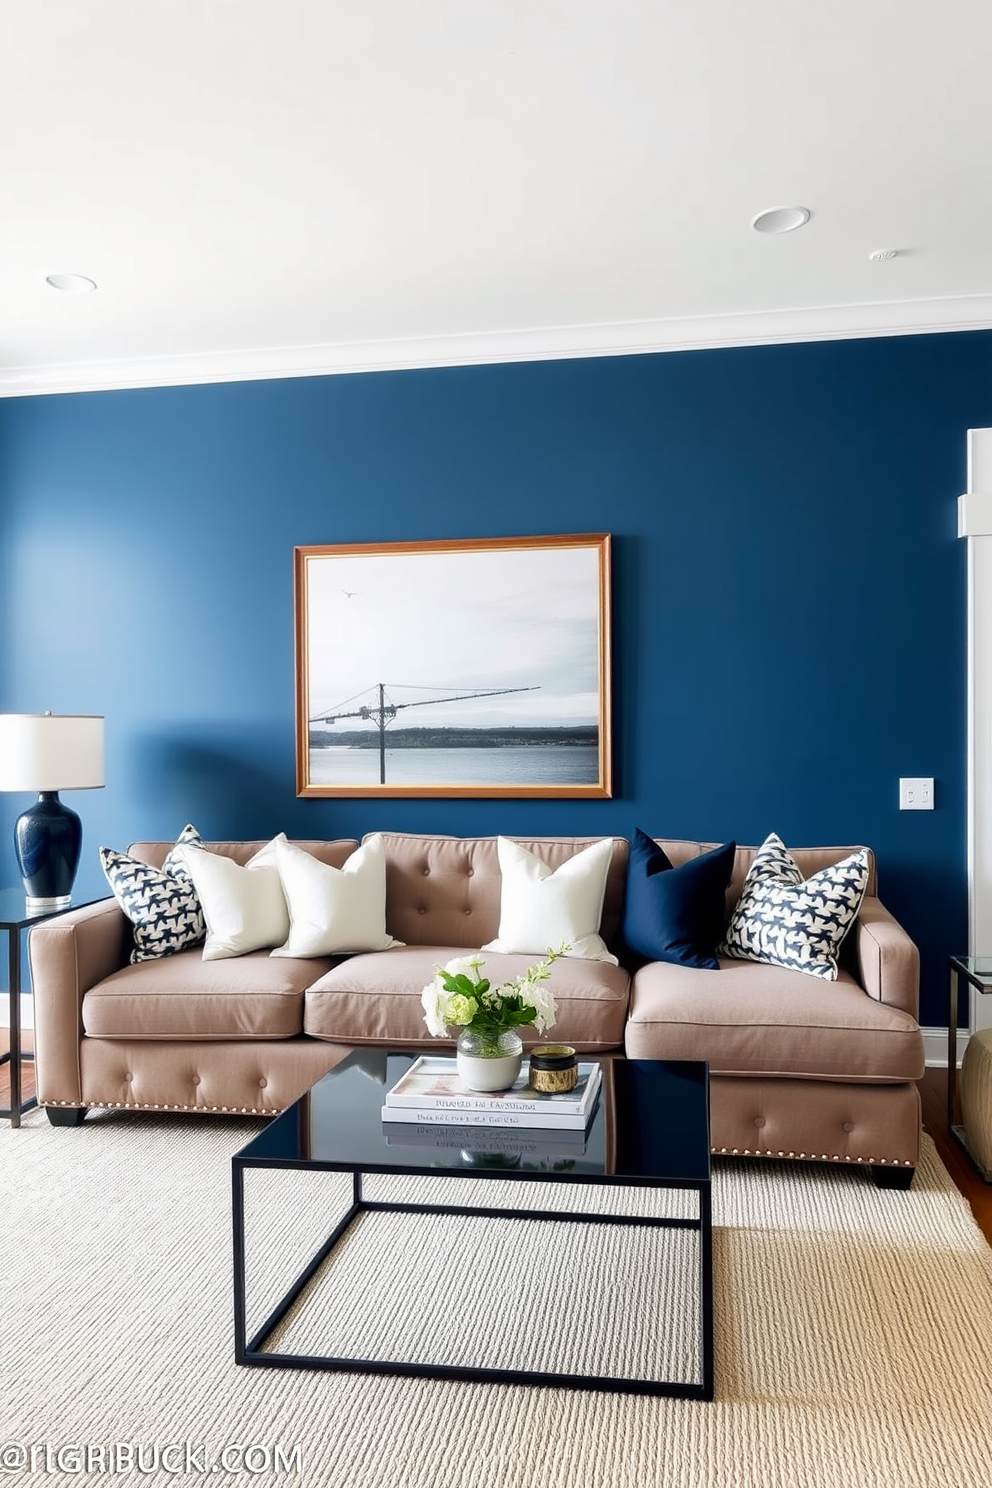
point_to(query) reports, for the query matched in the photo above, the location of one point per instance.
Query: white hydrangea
(444, 1007)
(430, 1001)
(466, 966)
(540, 998)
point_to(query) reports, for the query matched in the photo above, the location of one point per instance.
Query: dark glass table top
(15, 915)
(651, 1121)
(978, 970)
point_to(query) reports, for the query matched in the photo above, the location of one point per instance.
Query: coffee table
(649, 1133)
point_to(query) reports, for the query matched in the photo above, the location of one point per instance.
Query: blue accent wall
(789, 591)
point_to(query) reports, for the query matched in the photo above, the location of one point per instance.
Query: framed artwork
(463, 668)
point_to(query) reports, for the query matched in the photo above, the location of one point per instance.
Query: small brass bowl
(554, 1069)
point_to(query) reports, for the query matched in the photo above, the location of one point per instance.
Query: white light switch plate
(916, 793)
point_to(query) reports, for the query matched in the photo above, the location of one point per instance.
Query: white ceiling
(274, 187)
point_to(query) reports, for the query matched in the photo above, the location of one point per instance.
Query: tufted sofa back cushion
(336, 854)
(808, 860)
(446, 890)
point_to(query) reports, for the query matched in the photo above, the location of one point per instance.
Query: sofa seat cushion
(375, 999)
(184, 997)
(752, 1019)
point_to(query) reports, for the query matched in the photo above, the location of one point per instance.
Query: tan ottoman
(976, 1097)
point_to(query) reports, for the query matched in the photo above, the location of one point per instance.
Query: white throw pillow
(244, 907)
(539, 908)
(333, 911)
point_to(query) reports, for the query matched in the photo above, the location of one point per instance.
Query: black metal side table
(966, 971)
(15, 917)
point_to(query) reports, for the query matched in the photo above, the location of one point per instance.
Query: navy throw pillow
(676, 914)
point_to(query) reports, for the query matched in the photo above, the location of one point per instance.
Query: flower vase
(488, 1061)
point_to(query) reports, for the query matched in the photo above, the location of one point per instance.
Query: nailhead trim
(146, 1106)
(893, 1162)
(881, 1162)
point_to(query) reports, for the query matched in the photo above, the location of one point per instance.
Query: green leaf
(459, 983)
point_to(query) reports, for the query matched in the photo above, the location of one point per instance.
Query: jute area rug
(853, 1333)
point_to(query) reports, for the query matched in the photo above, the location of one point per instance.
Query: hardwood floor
(27, 1073)
(933, 1093)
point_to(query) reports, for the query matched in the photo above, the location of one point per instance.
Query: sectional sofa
(800, 1068)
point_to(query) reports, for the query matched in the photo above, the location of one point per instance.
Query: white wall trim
(540, 343)
(975, 514)
(27, 1010)
(935, 1044)
(975, 527)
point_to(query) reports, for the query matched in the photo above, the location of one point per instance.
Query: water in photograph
(527, 764)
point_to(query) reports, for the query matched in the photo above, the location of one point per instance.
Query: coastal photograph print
(454, 668)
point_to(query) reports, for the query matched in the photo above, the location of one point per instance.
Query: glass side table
(965, 971)
(15, 917)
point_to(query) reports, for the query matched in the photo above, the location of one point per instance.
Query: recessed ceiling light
(780, 219)
(71, 283)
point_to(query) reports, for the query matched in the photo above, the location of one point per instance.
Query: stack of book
(493, 1146)
(430, 1093)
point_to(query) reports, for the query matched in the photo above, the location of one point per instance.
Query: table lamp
(48, 752)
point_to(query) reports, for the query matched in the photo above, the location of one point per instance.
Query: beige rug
(853, 1332)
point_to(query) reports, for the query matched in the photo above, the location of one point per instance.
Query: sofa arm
(67, 956)
(886, 961)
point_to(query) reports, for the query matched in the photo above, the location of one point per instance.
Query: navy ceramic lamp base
(47, 841)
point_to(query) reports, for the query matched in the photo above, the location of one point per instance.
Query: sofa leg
(66, 1115)
(891, 1177)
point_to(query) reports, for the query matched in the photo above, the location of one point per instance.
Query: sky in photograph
(427, 623)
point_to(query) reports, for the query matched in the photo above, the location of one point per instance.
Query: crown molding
(545, 343)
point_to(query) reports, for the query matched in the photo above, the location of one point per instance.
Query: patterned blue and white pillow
(786, 920)
(161, 903)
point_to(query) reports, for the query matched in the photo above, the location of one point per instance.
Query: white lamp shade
(50, 752)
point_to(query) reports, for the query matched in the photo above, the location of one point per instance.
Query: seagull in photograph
(349, 593)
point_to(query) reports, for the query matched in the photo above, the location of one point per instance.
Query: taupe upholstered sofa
(799, 1067)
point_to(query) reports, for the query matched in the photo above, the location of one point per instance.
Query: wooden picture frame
(459, 668)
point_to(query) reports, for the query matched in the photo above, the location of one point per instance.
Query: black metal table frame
(15, 918)
(960, 974)
(251, 1351)
(15, 1056)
